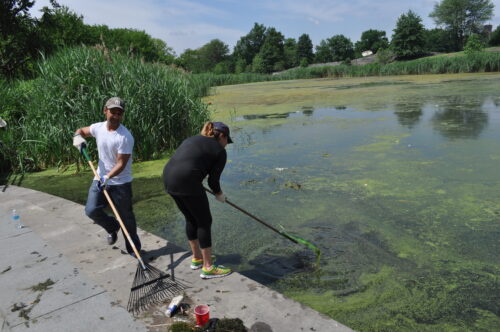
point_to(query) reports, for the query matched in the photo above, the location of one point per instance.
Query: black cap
(223, 128)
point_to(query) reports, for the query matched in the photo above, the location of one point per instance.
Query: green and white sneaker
(198, 263)
(215, 271)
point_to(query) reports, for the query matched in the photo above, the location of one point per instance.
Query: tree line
(263, 50)
(24, 39)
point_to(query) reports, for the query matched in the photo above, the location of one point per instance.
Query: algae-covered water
(395, 179)
(402, 198)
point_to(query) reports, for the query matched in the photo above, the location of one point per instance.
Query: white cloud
(313, 20)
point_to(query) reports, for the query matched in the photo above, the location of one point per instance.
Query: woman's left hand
(220, 197)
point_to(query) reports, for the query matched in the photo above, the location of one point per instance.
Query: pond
(401, 195)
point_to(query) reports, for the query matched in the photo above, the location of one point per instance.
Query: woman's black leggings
(198, 218)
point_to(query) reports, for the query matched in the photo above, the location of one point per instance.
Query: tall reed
(163, 106)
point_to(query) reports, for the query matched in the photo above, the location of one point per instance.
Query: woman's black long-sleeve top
(196, 157)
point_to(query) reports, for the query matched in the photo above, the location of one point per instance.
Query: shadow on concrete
(167, 251)
(8, 178)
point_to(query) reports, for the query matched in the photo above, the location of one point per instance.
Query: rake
(150, 285)
(293, 238)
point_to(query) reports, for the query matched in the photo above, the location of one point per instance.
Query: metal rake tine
(151, 286)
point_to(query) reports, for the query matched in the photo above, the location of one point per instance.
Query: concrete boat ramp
(58, 274)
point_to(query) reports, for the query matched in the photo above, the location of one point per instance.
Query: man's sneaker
(198, 263)
(215, 272)
(112, 237)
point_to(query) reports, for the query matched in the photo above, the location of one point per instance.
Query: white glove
(220, 197)
(79, 142)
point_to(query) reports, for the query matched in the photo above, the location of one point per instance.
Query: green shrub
(474, 44)
(384, 56)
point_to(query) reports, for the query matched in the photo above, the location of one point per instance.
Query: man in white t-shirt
(114, 145)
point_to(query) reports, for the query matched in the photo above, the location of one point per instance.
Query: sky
(184, 24)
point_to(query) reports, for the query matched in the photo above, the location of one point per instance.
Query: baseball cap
(115, 102)
(223, 128)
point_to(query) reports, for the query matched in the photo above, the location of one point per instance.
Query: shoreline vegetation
(479, 62)
(163, 107)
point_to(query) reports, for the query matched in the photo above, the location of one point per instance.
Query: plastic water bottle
(17, 219)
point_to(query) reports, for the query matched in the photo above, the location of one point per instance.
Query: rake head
(151, 286)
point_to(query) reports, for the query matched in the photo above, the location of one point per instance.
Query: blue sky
(186, 24)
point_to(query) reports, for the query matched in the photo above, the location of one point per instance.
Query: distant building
(366, 53)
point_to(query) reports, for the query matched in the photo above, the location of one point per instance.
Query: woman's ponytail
(208, 130)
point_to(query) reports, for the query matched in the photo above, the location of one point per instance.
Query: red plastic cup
(202, 313)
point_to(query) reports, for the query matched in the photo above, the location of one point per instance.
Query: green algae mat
(395, 179)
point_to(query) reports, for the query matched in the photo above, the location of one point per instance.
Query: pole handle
(256, 218)
(115, 211)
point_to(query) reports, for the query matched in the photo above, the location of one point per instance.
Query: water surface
(401, 195)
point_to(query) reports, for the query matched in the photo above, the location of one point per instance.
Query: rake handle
(256, 218)
(115, 211)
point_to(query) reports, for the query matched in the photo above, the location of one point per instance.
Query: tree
(438, 40)
(323, 52)
(336, 48)
(372, 40)
(258, 65)
(305, 49)
(18, 38)
(12, 14)
(190, 60)
(213, 56)
(212, 53)
(249, 46)
(290, 53)
(462, 17)
(136, 43)
(341, 47)
(495, 37)
(224, 67)
(272, 52)
(59, 27)
(165, 53)
(408, 38)
(240, 66)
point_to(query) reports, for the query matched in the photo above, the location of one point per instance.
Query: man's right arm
(84, 132)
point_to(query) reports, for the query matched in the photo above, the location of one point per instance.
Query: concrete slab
(84, 316)
(92, 280)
